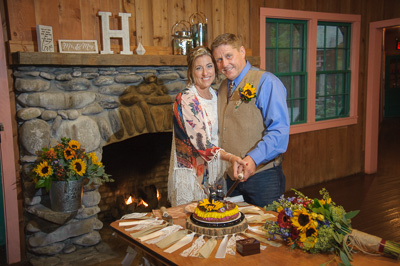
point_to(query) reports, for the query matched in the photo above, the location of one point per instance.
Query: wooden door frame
(373, 92)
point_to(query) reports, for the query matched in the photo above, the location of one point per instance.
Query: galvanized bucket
(66, 196)
(198, 26)
(182, 39)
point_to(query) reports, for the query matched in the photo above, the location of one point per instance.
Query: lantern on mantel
(182, 39)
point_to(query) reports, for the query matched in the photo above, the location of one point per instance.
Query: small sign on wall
(78, 46)
(45, 38)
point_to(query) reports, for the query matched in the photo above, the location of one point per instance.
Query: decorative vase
(66, 196)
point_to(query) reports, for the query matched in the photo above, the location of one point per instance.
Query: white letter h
(108, 34)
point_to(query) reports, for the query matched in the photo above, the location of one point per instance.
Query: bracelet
(230, 156)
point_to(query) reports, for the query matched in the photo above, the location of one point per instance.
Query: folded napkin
(221, 252)
(171, 239)
(263, 240)
(258, 219)
(144, 225)
(182, 242)
(193, 251)
(165, 232)
(147, 231)
(251, 209)
(138, 222)
(206, 250)
(135, 215)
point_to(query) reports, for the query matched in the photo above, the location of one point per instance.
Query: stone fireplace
(121, 112)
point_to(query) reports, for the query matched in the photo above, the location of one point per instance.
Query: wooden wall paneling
(243, 21)
(218, 17)
(231, 17)
(112, 6)
(318, 157)
(144, 22)
(21, 18)
(47, 13)
(69, 20)
(90, 21)
(161, 28)
(293, 164)
(254, 25)
(189, 7)
(128, 6)
(175, 13)
(205, 6)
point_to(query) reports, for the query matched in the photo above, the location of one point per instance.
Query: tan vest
(240, 129)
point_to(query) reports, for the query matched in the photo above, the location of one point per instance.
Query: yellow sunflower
(249, 91)
(73, 144)
(301, 219)
(79, 166)
(95, 159)
(69, 154)
(44, 170)
(309, 235)
(210, 206)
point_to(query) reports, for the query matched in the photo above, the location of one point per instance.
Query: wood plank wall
(312, 157)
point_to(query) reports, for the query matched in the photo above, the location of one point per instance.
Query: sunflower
(69, 154)
(95, 159)
(210, 206)
(309, 236)
(44, 170)
(79, 166)
(247, 92)
(301, 219)
(73, 144)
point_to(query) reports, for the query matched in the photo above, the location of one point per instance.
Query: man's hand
(249, 169)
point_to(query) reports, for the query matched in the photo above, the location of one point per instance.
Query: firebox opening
(139, 167)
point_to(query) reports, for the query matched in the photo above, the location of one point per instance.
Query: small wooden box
(248, 246)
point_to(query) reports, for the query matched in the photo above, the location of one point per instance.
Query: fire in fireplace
(139, 167)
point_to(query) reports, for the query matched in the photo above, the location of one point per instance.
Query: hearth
(139, 167)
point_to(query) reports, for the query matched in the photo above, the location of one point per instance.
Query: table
(270, 256)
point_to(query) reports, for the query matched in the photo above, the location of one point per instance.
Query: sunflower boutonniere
(246, 93)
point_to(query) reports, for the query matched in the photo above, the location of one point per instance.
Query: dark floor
(377, 197)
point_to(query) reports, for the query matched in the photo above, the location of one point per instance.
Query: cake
(216, 211)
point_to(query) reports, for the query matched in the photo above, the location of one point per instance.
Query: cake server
(165, 216)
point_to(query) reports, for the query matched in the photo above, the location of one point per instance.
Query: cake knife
(240, 177)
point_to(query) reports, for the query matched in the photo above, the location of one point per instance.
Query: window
(285, 56)
(316, 57)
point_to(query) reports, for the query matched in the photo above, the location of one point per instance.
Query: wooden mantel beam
(66, 59)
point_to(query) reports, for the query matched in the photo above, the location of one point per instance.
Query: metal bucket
(198, 26)
(182, 40)
(66, 196)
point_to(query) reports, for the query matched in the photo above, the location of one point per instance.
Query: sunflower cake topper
(246, 93)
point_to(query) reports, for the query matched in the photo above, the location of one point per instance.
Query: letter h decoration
(108, 34)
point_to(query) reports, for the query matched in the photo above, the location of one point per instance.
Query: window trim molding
(312, 19)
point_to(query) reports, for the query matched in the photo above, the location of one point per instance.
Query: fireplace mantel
(65, 59)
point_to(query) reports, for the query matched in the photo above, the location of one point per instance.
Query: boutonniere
(246, 93)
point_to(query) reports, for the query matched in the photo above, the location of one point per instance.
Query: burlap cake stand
(217, 229)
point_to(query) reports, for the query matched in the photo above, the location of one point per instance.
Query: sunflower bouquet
(67, 161)
(319, 225)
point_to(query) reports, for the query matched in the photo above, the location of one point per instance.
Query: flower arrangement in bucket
(319, 225)
(69, 163)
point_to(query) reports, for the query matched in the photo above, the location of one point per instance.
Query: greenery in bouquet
(314, 225)
(319, 225)
(68, 161)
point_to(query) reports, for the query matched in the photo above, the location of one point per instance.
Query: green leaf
(344, 259)
(351, 215)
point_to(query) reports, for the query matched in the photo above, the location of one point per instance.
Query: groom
(257, 130)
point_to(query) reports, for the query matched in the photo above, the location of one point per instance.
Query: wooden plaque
(78, 46)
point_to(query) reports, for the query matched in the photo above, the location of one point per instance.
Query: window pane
(283, 35)
(331, 84)
(283, 60)
(270, 60)
(321, 36)
(320, 86)
(297, 60)
(331, 36)
(341, 60)
(298, 35)
(298, 87)
(270, 35)
(320, 108)
(330, 57)
(330, 106)
(320, 59)
(286, 80)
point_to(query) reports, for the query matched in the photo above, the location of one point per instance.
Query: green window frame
(285, 56)
(333, 75)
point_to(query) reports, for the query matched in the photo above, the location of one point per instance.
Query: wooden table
(270, 256)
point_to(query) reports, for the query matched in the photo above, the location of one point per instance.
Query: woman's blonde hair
(192, 56)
